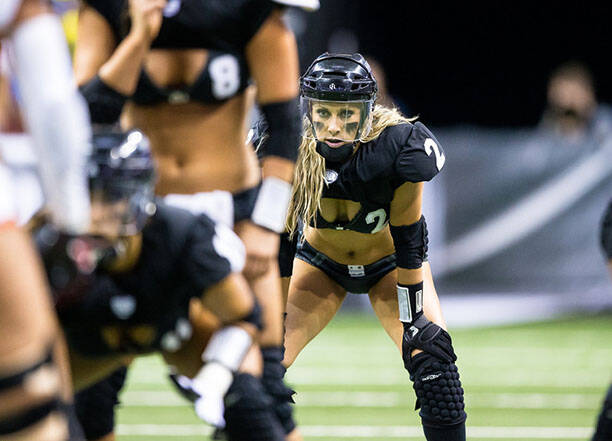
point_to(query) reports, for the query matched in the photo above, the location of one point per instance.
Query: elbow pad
(284, 129)
(105, 103)
(410, 243)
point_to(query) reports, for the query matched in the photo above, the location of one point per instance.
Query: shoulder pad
(420, 157)
(309, 5)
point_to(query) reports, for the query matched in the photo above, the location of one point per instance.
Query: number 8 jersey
(402, 153)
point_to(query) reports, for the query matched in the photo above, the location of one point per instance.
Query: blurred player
(166, 75)
(359, 183)
(34, 389)
(125, 288)
(604, 423)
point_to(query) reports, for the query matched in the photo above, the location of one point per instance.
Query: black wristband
(410, 301)
(105, 103)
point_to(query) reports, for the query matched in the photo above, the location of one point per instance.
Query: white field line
(352, 432)
(550, 401)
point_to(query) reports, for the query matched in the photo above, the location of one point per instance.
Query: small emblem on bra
(178, 97)
(172, 8)
(330, 176)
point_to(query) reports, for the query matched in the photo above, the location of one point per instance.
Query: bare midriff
(198, 147)
(345, 246)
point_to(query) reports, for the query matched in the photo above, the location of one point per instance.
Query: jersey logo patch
(330, 176)
(123, 306)
(172, 8)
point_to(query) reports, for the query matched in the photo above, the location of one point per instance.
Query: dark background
(479, 64)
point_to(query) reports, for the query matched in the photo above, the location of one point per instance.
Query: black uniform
(227, 25)
(400, 154)
(603, 430)
(146, 308)
(224, 27)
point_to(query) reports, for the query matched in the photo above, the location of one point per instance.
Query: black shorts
(356, 279)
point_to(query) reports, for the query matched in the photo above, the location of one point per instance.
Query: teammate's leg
(31, 391)
(436, 383)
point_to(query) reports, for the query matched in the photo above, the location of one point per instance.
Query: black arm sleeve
(105, 103)
(283, 132)
(606, 232)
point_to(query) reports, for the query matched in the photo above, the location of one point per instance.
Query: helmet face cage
(122, 177)
(334, 121)
(337, 95)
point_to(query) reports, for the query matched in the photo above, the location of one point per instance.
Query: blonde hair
(309, 175)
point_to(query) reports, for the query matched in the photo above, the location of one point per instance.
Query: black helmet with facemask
(121, 168)
(338, 91)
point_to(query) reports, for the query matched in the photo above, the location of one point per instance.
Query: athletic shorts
(221, 206)
(356, 279)
(7, 206)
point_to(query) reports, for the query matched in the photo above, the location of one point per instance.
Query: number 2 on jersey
(430, 145)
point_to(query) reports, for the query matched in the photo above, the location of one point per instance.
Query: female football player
(34, 393)
(125, 289)
(359, 181)
(158, 65)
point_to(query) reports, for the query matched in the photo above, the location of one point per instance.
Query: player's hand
(210, 408)
(261, 248)
(146, 16)
(428, 337)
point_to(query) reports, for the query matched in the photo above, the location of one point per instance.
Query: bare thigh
(27, 319)
(313, 301)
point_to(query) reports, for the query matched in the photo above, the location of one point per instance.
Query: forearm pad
(284, 130)
(105, 103)
(410, 243)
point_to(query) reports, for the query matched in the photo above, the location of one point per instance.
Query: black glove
(428, 337)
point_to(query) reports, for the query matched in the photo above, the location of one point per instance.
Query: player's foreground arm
(53, 111)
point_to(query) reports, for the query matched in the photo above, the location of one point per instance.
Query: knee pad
(36, 390)
(248, 412)
(95, 405)
(272, 380)
(438, 390)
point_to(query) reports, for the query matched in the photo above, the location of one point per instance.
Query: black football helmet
(121, 168)
(344, 81)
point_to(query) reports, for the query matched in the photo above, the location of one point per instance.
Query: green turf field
(542, 381)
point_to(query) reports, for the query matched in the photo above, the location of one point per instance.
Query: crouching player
(126, 287)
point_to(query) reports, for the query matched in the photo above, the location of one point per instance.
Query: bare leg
(313, 301)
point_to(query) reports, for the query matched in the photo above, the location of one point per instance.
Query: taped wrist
(270, 210)
(410, 243)
(410, 302)
(228, 346)
(284, 130)
(105, 103)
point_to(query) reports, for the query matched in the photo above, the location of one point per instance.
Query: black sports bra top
(369, 219)
(224, 76)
